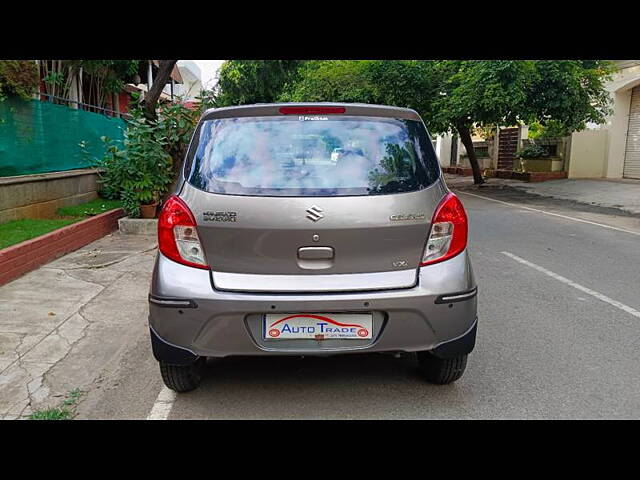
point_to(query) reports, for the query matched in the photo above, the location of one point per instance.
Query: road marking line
(575, 285)
(549, 213)
(163, 405)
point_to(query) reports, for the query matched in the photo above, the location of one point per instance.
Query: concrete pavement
(623, 195)
(67, 324)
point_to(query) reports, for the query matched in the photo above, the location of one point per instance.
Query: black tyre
(441, 370)
(182, 378)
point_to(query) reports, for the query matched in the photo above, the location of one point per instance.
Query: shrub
(143, 169)
(139, 171)
(532, 151)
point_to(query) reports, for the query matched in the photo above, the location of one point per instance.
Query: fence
(39, 137)
(81, 105)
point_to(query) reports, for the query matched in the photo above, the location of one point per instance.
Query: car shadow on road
(363, 386)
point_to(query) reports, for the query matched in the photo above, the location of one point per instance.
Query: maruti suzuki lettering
(311, 229)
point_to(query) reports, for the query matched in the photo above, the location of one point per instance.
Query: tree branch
(151, 99)
(467, 141)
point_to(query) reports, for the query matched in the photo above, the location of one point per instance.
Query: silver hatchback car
(311, 229)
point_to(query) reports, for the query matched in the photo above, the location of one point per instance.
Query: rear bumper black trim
(462, 345)
(163, 351)
(457, 297)
(172, 302)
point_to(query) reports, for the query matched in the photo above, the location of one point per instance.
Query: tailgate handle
(315, 253)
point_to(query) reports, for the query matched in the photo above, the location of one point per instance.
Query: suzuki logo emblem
(314, 213)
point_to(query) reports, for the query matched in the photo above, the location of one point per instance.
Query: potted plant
(151, 175)
(148, 210)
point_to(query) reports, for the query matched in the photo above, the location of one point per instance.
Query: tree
(566, 93)
(450, 95)
(254, 81)
(405, 83)
(18, 77)
(331, 81)
(165, 67)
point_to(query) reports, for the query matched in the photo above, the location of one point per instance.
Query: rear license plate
(317, 326)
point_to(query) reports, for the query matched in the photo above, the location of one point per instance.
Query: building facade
(612, 150)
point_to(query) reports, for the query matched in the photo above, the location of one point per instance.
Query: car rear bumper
(189, 318)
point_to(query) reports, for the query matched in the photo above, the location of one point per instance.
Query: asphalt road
(559, 329)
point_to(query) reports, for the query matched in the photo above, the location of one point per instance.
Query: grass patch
(62, 412)
(94, 207)
(51, 414)
(18, 231)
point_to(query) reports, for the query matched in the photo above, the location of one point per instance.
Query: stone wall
(40, 195)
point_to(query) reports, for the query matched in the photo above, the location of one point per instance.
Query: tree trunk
(151, 99)
(465, 138)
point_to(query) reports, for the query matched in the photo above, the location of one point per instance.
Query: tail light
(177, 235)
(448, 236)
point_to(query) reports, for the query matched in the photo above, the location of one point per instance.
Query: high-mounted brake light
(177, 235)
(311, 110)
(448, 236)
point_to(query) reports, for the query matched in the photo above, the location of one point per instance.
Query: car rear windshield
(313, 156)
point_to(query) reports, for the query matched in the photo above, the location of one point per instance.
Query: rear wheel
(182, 378)
(441, 370)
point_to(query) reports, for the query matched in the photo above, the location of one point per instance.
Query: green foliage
(208, 99)
(18, 77)
(63, 412)
(176, 124)
(487, 132)
(532, 151)
(57, 413)
(142, 169)
(113, 73)
(553, 129)
(561, 94)
(331, 81)
(54, 78)
(478, 93)
(403, 83)
(139, 171)
(567, 93)
(254, 81)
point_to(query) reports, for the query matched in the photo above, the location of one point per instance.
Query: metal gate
(632, 151)
(507, 146)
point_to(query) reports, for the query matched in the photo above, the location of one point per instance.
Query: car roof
(273, 109)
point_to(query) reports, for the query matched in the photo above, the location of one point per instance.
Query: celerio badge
(407, 216)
